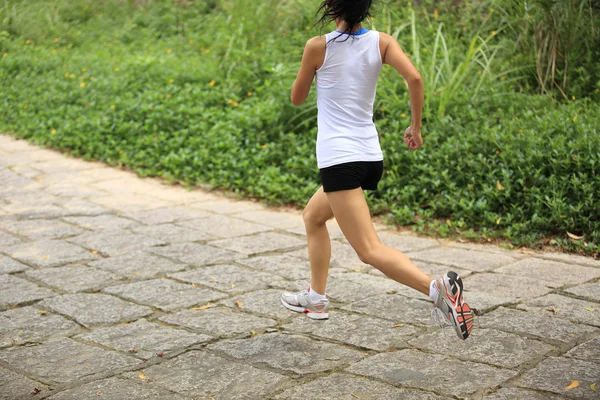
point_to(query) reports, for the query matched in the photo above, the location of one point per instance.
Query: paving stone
(463, 258)
(589, 351)
(180, 195)
(25, 158)
(31, 324)
(73, 279)
(99, 222)
(587, 290)
(227, 207)
(486, 346)
(544, 326)
(83, 207)
(173, 233)
(8, 265)
(396, 308)
(115, 241)
(146, 338)
(15, 291)
(132, 185)
(33, 211)
(260, 243)
(570, 259)
(266, 303)
(6, 239)
(351, 287)
(14, 386)
(511, 393)
(283, 265)
(350, 387)
(64, 360)
(406, 243)
(224, 227)
(10, 144)
(138, 265)
(275, 219)
(196, 254)
(200, 375)
(165, 294)
(76, 190)
(218, 321)
(104, 173)
(556, 373)
(167, 215)
(96, 309)
(59, 178)
(129, 203)
(49, 253)
(442, 374)
(556, 274)
(578, 311)
(357, 330)
(342, 255)
(481, 302)
(41, 229)
(62, 164)
(230, 278)
(487, 248)
(115, 388)
(292, 353)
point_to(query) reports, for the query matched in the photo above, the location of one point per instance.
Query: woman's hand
(412, 138)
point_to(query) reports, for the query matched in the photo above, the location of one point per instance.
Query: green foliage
(198, 92)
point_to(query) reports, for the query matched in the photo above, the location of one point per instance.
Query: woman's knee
(368, 254)
(313, 217)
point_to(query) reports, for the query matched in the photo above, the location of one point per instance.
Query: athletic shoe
(451, 306)
(299, 302)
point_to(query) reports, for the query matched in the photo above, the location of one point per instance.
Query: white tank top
(346, 84)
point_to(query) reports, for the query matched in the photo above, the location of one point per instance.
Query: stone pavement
(118, 287)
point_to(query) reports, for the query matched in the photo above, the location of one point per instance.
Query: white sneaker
(299, 302)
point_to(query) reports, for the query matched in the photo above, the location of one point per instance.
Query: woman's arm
(312, 59)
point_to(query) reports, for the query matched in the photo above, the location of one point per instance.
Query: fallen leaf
(593, 387)
(574, 237)
(134, 350)
(204, 307)
(397, 325)
(499, 185)
(142, 376)
(591, 309)
(573, 385)
(232, 285)
(42, 312)
(45, 258)
(94, 251)
(239, 303)
(553, 310)
(355, 396)
(160, 354)
(195, 285)
(356, 270)
(261, 381)
(213, 278)
(252, 333)
(35, 391)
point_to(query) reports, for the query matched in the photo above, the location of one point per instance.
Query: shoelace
(440, 318)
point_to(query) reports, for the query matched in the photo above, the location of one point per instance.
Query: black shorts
(352, 175)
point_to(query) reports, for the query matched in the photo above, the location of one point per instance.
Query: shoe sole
(310, 314)
(461, 314)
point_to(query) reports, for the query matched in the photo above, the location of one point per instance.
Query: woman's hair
(352, 12)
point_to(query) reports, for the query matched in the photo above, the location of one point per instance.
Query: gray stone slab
(6, 239)
(218, 321)
(220, 205)
(15, 291)
(588, 290)
(49, 253)
(589, 351)
(62, 164)
(395, 308)
(570, 259)
(167, 215)
(115, 241)
(28, 210)
(83, 207)
(73, 190)
(358, 330)
(555, 374)
(8, 265)
(31, 324)
(73, 279)
(555, 274)
(224, 227)
(115, 388)
(512, 393)
(64, 360)
(196, 254)
(230, 278)
(200, 375)
(129, 202)
(481, 302)
(96, 309)
(144, 339)
(574, 310)
(41, 229)
(283, 265)
(138, 265)
(292, 353)
(485, 346)
(14, 386)
(259, 243)
(406, 243)
(539, 326)
(351, 287)
(173, 233)
(442, 374)
(275, 219)
(350, 387)
(165, 294)
(463, 258)
(100, 222)
(266, 303)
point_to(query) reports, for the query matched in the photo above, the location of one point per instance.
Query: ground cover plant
(197, 92)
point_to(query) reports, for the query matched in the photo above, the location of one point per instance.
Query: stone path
(118, 287)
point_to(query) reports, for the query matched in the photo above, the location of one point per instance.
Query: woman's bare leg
(316, 213)
(353, 216)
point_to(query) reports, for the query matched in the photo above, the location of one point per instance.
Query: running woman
(346, 64)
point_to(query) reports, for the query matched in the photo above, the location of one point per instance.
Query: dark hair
(352, 12)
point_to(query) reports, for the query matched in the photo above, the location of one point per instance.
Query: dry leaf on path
(232, 285)
(204, 307)
(573, 385)
(554, 310)
(239, 303)
(142, 376)
(593, 387)
(590, 309)
(397, 325)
